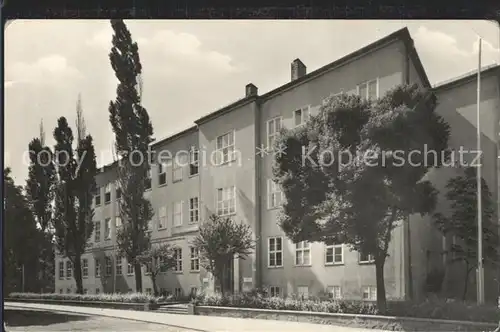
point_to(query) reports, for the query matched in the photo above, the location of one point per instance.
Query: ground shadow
(24, 317)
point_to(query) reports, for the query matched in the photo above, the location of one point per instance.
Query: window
(109, 267)
(177, 169)
(130, 269)
(118, 263)
(275, 291)
(97, 291)
(107, 229)
(368, 90)
(178, 213)
(97, 232)
(147, 181)
(194, 210)
(68, 290)
(162, 217)
(97, 265)
(369, 293)
(224, 148)
(178, 292)
(162, 173)
(334, 292)
(274, 194)
(273, 129)
(97, 196)
(303, 292)
(366, 258)
(195, 259)
(194, 291)
(85, 268)
(334, 254)
(226, 201)
(118, 190)
(148, 291)
(118, 222)
(161, 263)
(60, 290)
(61, 270)
(85, 291)
(303, 253)
(301, 116)
(107, 193)
(69, 269)
(178, 259)
(275, 249)
(193, 162)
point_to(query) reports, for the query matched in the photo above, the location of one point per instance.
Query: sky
(192, 68)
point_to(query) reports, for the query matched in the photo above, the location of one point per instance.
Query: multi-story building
(232, 178)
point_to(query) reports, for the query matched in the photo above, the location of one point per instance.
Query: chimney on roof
(298, 69)
(251, 90)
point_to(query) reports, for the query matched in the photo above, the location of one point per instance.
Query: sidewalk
(196, 323)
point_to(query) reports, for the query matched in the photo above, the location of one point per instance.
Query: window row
(333, 254)
(66, 267)
(368, 293)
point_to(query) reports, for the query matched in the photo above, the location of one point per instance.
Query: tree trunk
(466, 281)
(379, 275)
(138, 277)
(77, 271)
(153, 281)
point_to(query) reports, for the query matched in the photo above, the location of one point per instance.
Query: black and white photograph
(251, 175)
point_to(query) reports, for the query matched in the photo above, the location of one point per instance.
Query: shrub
(438, 309)
(125, 298)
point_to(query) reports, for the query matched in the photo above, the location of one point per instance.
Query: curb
(7, 305)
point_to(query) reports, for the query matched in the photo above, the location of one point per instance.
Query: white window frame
(226, 196)
(225, 153)
(194, 210)
(304, 110)
(334, 255)
(370, 260)
(178, 292)
(274, 253)
(97, 268)
(108, 266)
(85, 268)
(149, 178)
(119, 265)
(61, 270)
(367, 84)
(178, 260)
(162, 170)
(304, 248)
(194, 161)
(97, 194)
(271, 137)
(334, 292)
(177, 172)
(275, 291)
(306, 293)
(177, 217)
(118, 222)
(97, 290)
(107, 193)
(69, 269)
(97, 231)
(130, 269)
(162, 217)
(274, 195)
(107, 229)
(370, 290)
(194, 254)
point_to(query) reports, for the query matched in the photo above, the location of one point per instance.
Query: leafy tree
(157, 259)
(40, 190)
(346, 176)
(461, 222)
(221, 240)
(21, 240)
(133, 133)
(76, 185)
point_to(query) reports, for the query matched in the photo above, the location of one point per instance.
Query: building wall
(387, 65)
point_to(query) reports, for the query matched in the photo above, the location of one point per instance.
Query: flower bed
(427, 309)
(116, 298)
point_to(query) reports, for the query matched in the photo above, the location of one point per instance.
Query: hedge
(435, 309)
(121, 298)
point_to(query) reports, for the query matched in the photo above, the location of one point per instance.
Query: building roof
(402, 35)
(467, 77)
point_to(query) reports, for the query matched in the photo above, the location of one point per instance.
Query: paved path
(191, 322)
